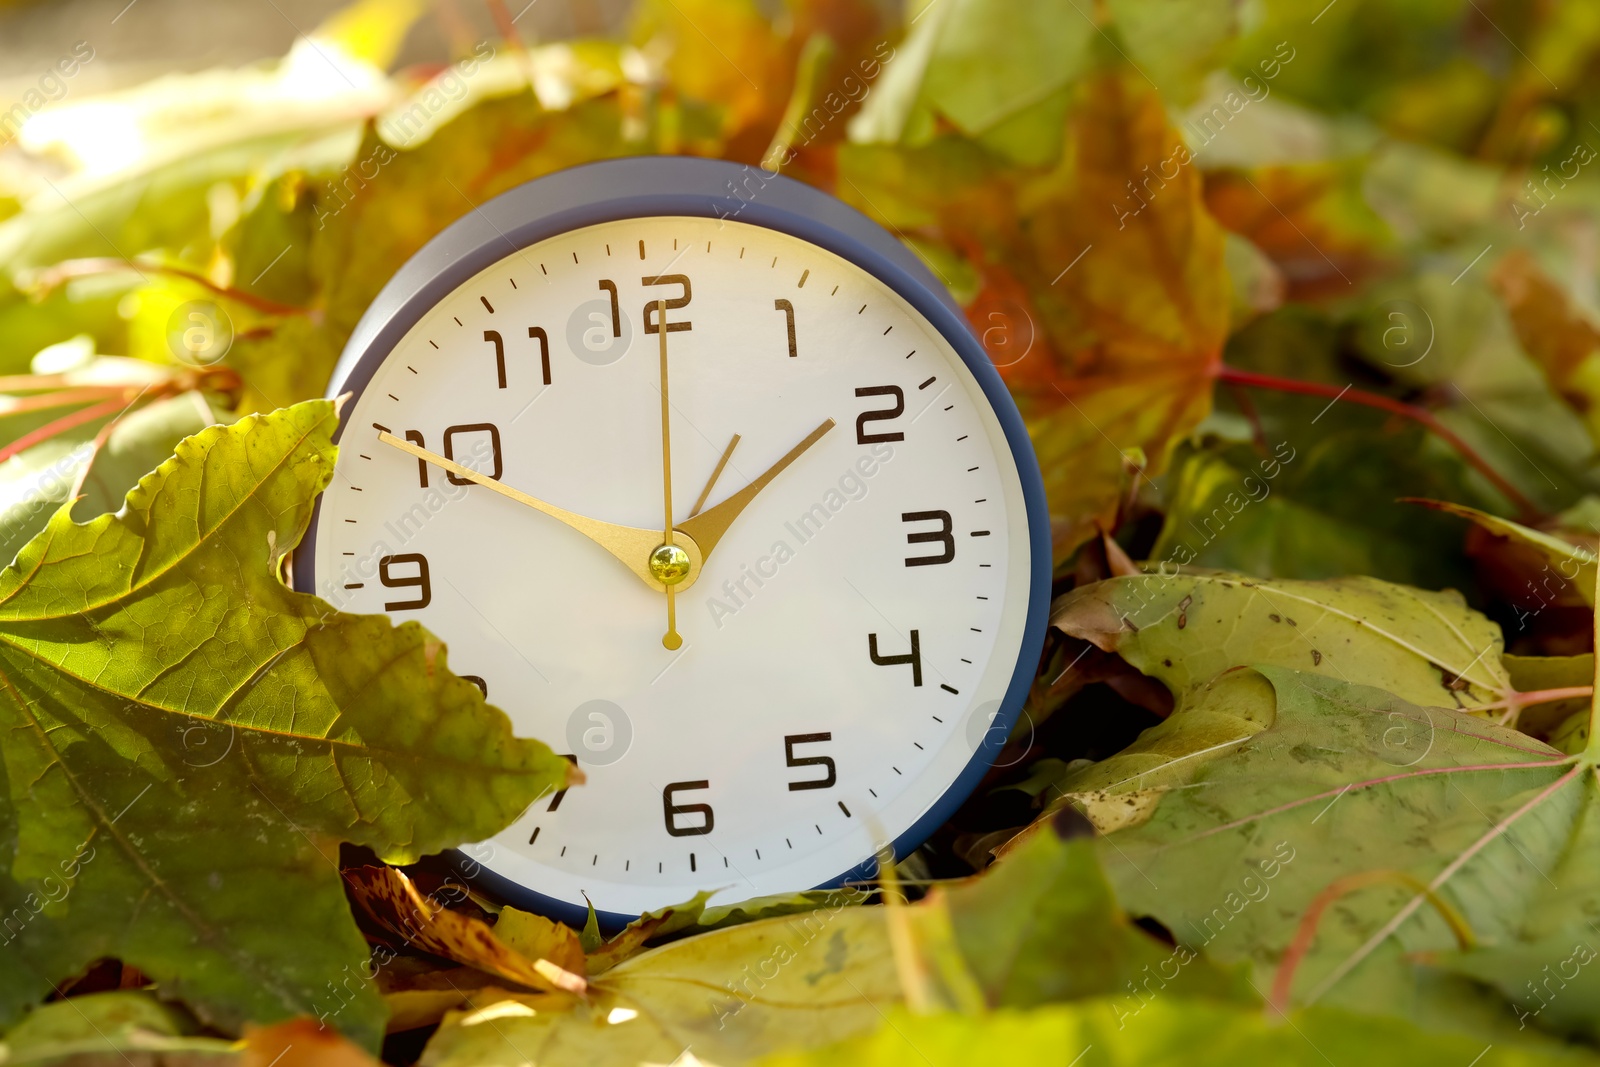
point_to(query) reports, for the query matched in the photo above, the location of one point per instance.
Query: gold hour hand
(630, 545)
(708, 527)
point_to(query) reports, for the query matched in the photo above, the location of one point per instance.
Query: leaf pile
(1298, 303)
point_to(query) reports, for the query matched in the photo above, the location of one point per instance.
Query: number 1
(788, 316)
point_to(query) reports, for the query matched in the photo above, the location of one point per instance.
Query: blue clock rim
(642, 186)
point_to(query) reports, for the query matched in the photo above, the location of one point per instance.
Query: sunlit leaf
(177, 721)
(1378, 830)
(112, 1027)
(1186, 628)
(1163, 1030)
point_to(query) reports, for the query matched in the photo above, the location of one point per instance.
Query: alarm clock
(704, 480)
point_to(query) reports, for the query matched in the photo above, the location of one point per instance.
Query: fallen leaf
(1043, 925)
(631, 939)
(1186, 628)
(300, 1043)
(1000, 73)
(538, 938)
(422, 923)
(1176, 45)
(1312, 220)
(1121, 293)
(1560, 338)
(178, 721)
(1379, 829)
(1444, 337)
(1564, 568)
(1022, 932)
(1281, 509)
(728, 995)
(1161, 1029)
(121, 1026)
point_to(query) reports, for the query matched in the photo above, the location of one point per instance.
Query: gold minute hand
(708, 527)
(630, 545)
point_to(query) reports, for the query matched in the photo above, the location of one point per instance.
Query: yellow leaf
(371, 30)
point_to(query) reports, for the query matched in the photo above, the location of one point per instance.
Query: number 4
(914, 657)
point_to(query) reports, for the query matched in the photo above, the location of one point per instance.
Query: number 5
(809, 761)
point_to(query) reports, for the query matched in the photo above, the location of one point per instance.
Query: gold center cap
(669, 564)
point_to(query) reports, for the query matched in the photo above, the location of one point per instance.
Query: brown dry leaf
(1104, 313)
(388, 896)
(1559, 337)
(1133, 294)
(302, 1042)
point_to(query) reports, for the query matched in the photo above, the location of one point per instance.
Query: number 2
(865, 438)
(650, 325)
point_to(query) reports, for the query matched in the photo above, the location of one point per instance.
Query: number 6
(672, 811)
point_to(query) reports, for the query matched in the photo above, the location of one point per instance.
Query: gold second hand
(671, 639)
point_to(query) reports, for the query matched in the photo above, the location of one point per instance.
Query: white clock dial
(844, 643)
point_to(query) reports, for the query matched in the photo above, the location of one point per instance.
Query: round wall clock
(705, 481)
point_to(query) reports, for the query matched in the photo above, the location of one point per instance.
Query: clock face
(848, 629)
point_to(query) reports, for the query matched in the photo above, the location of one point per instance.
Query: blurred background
(154, 37)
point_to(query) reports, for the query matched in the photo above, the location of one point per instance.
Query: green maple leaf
(1362, 851)
(1166, 1032)
(185, 740)
(1187, 628)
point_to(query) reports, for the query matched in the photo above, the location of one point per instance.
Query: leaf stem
(1514, 703)
(61, 398)
(1416, 414)
(51, 277)
(1541, 696)
(62, 425)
